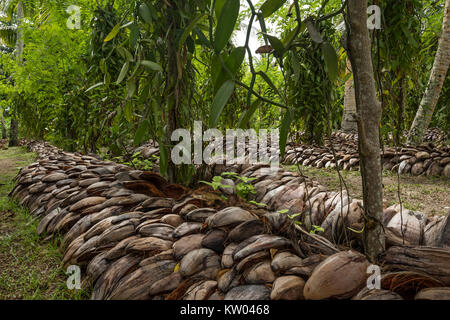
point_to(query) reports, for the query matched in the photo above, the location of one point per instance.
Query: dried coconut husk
(407, 283)
(431, 261)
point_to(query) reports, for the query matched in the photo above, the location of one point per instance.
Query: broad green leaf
(284, 130)
(128, 54)
(218, 7)
(113, 33)
(134, 34)
(276, 44)
(145, 13)
(94, 86)
(235, 59)
(188, 30)
(270, 6)
(123, 72)
(220, 100)
(131, 87)
(246, 116)
(226, 23)
(201, 37)
(233, 62)
(313, 33)
(140, 132)
(151, 65)
(331, 60)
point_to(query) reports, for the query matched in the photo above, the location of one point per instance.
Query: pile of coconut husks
(425, 159)
(136, 236)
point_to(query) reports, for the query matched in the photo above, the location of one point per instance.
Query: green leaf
(145, 13)
(131, 87)
(188, 30)
(220, 100)
(123, 72)
(313, 33)
(331, 60)
(233, 62)
(201, 37)
(225, 25)
(235, 59)
(134, 34)
(153, 66)
(140, 132)
(270, 6)
(276, 44)
(94, 86)
(113, 33)
(284, 130)
(246, 116)
(218, 7)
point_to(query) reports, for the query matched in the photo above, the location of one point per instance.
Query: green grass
(29, 265)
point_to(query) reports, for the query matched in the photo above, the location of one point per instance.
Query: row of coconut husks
(138, 237)
(421, 160)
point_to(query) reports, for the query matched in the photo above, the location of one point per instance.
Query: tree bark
(14, 132)
(438, 72)
(349, 117)
(368, 119)
(173, 89)
(4, 135)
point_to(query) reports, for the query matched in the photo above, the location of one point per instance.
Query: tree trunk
(14, 132)
(368, 118)
(4, 136)
(349, 117)
(401, 102)
(435, 83)
(173, 88)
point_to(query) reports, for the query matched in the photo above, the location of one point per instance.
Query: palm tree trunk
(13, 139)
(349, 117)
(437, 78)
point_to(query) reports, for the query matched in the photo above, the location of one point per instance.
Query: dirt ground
(430, 195)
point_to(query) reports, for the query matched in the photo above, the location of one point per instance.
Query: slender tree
(435, 83)
(2, 122)
(349, 117)
(368, 118)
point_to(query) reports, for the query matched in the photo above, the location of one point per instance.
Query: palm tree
(435, 83)
(11, 35)
(12, 15)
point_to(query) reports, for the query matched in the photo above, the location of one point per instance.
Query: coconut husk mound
(138, 237)
(421, 160)
(430, 159)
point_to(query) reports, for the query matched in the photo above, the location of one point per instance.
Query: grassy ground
(29, 266)
(430, 195)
